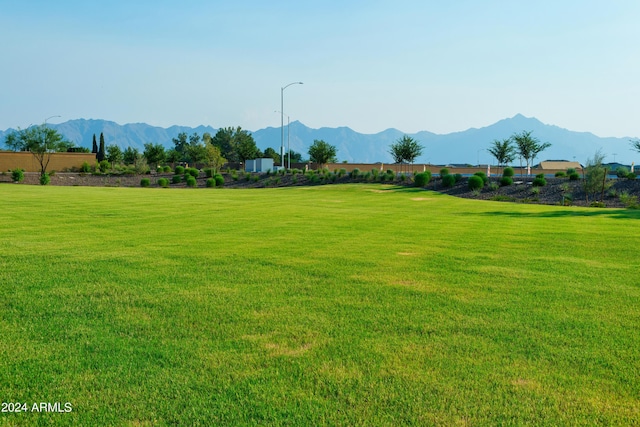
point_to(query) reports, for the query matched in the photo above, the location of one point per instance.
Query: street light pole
(282, 120)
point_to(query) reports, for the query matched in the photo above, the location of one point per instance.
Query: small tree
(41, 141)
(528, 147)
(130, 155)
(405, 150)
(503, 151)
(321, 152)
(154, 153)
(595, 177)
(114, 154)
(213, 157)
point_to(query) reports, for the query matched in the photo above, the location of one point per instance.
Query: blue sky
(442, 66)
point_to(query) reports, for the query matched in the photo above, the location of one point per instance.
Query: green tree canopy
(130, 155)
(114, 154)
(322, 152)
(528, 147)
(503, 151)
(41, 141)
(405, 150)
(635, 144)
(154, 153)
(271, 153)
(236, 144)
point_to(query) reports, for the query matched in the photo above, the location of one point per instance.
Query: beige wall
(10, 160)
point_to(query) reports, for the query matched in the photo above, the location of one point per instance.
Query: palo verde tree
(503, 151)
(322, 152)
(528, 147)
(41, 141)
(405, 150)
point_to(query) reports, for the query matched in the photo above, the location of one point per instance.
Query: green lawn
(329, 305)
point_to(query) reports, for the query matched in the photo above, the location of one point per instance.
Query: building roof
(559, 164)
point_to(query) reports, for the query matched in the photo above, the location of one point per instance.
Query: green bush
(342, 172)
(176, 179)
(179, 170)
(314, 179)
(539, 182)
(191, 181)
(574, 176)
(475, 183)
(17, 175)
(560, 174)
(85, 168)
(444, 171)
(570, 171)
(104, 166)
(193, 172)
(628, 200)
(166, 169)
(421, 179)
(508, 172)
(505, 181)
(493, 186)
(483, 176)
(145, 182)
(631, 175)
(355, 174)
(458, 177)
(448, 180)
(159, 169)
(219, 180)
(540, 175)
(208, 172)
(163, 182)
(211, 183)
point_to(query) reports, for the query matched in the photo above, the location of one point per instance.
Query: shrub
(505, 181)
(403, 177)
(208, 173)
(145, 182)
(598, 205)
(211, 183)
(448, 180)
(570, 171)
(163, 182)
(444, 171)
(85, 168)
(159, 169)
(253, 178)
(104, 166)
(294, 180)
(17, 175)
(508, 172)
(219, 180)
(458, 177)
(166, 169)
(493, 186)
(574, 176)
(314, 179)
(622, 172)
(482, 176)
(540, 175)
(176, 179)
(355, 174)
(193, 172)
(535, 190)
(179, 170)
(45, 179)
(539, 182)
(629, 201)
(367, 176)
(342, 172)
(421, 179)
(631, 175)
(475, 182)
(191, 181)
(560, 174)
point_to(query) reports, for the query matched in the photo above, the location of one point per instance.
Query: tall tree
(130, 155)
(94, 150)
(213, 156)
(101, 154)
(236, 144)
(180, 144)
(503, 151)
(273, 154)
(41, 141)
(322, 152)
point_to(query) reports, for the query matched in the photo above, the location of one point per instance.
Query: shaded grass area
(355, 304)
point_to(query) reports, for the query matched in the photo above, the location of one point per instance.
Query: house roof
(559, 164)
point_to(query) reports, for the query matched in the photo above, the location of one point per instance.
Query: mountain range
(466, 147)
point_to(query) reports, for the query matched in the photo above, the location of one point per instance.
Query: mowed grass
(330, 305)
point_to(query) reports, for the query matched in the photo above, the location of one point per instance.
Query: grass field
(329, 305)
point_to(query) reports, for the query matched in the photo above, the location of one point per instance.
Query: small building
(559, 165)
(259, 165)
